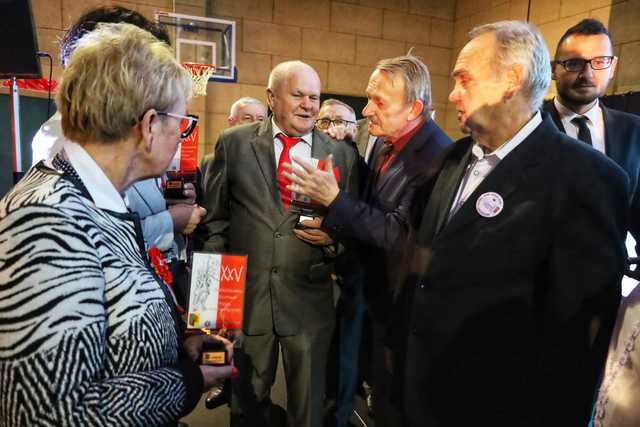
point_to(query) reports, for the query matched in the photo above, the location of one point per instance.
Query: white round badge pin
(489, 204)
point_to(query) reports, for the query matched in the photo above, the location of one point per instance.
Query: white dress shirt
(370, 144)
(595, 123)
(47, 142)
(301, 149)
(482, 164)
(142, 198)
(101, 189)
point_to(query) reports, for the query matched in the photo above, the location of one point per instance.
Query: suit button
(277, 235)
(274, 270)
(421, 285)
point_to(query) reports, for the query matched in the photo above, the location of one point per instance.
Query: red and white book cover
(216, 297)
(186, 158)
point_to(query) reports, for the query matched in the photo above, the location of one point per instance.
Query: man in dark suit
(383, 218)
(519, 256)
(583, 67)
(289, 296)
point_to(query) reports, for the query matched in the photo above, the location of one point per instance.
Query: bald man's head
(294, 97)
(246, 110)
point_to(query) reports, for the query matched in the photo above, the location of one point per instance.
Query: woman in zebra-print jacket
(89, 335)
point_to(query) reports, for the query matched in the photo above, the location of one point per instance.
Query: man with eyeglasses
(583, 67)
(337, 119)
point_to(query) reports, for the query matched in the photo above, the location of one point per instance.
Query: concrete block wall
(553, 18)
(343, 40)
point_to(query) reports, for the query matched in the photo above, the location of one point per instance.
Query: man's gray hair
(332, 101)
(521, 43)
(245, 100)
(416, 78)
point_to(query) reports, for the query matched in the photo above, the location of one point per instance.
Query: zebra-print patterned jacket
(88, 336)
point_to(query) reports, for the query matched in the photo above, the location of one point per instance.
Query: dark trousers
(343, 376)
(304, 360)
(350, 324)
(386, 410)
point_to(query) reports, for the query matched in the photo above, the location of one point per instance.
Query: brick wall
(343, 39)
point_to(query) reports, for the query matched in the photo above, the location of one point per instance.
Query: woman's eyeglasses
(187, 123)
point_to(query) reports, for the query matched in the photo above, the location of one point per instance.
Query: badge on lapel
(489, 204)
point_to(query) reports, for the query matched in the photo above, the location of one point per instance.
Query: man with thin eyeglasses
(584, 66)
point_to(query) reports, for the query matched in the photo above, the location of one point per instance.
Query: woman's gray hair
(416, 78)
(521, 43)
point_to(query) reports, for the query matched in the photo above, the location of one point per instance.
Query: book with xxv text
(216, 296)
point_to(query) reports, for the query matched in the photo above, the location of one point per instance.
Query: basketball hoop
(200, 74)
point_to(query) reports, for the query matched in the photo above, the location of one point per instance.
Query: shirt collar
(567, 114)
(502, 151)
(308, 138)
(399, 144)
(100, 188)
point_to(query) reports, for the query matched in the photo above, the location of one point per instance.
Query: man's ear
(416, 109)
(270, 99)
(149, 121)
(515, 79)
(614, 67)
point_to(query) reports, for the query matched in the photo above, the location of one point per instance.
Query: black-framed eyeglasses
(575, 65)
(327, 123)
(187, 123)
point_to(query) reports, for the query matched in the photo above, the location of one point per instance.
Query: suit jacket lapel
(263, 147)
(502, 180)
(505, 178)
(423, 134)
(320, 146)
(370, 184)
(555, 116)
(612, 150)
(447, 186)
(439, 203)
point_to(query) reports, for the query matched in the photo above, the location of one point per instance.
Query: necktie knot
(584, 134)
(386, 148)
(288, 141)
(579, 120)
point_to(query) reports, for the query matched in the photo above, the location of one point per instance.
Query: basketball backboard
(203, 40)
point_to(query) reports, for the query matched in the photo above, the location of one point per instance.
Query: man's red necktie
(384, 159)
(287, 143)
